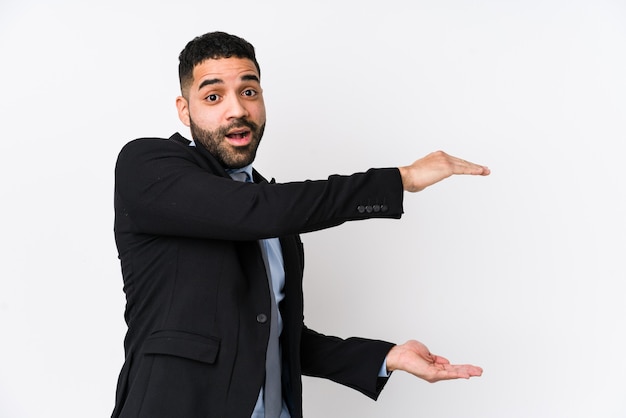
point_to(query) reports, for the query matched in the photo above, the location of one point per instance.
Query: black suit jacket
(196, 288)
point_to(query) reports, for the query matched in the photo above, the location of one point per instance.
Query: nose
(236, 107)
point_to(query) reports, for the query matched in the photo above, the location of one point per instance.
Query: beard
(227, 155)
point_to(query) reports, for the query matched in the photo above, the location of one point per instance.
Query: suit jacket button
(261, 318)
(369, 209)
(384, 208)
(376, 208)
(360, 208)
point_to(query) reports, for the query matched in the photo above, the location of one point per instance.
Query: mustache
(239, 123)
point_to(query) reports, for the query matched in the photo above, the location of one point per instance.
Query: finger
(461, 166)
(447, 374)
(466, 167)
(440, 360)
(467, 370)
(475, 371)
(479, 170)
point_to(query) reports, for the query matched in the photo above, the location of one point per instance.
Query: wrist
(392, 359)
(404, 176)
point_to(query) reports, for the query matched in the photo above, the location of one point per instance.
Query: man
(206, 259)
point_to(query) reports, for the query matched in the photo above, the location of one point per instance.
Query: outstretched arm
(435, 167)
(415, 358)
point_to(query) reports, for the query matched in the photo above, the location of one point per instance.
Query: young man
(206, 260)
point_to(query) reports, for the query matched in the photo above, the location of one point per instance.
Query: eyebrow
(212, 81)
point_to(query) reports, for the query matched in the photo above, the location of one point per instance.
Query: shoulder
(151, 147)
(175, 143)
(164, 155)
(156, 154)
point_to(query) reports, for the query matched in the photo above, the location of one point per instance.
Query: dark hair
(212, 45)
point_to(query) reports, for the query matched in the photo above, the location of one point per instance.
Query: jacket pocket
(183, 344)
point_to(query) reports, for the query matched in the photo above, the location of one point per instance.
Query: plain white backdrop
(520, 272)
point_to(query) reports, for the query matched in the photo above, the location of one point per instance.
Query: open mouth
(239, 137)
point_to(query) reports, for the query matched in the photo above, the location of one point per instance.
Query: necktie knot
(241, 176)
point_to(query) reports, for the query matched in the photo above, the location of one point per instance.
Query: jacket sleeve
(353, 362)
(160, 188)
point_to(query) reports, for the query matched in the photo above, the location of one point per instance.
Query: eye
(212, 98)
(249, 93)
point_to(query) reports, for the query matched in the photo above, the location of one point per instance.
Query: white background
(520, 272)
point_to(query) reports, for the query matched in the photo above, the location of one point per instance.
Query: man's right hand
(435, 167)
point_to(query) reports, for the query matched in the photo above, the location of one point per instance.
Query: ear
(183, 110)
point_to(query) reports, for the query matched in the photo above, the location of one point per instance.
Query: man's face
(224, 109)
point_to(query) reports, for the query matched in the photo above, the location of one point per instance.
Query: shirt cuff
(383, 370)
